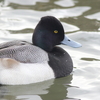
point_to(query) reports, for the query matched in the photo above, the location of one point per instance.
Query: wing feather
(23, 52)
(13, 43)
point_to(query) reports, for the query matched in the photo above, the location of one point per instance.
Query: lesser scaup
(24, 63)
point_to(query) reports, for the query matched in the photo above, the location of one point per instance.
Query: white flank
(23, 73)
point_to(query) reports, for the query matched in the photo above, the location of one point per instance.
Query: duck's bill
(71, 43)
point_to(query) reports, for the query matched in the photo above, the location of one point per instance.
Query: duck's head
(50, 32)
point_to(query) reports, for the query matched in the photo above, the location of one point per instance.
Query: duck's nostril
(68, 40)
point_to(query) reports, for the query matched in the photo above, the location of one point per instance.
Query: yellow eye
(55, 31)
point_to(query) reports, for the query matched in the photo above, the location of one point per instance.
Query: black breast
(60, 62)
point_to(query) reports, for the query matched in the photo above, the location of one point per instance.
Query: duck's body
(24, 63)
(15, 73)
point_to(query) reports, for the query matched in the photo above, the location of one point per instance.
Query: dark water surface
(81, 21)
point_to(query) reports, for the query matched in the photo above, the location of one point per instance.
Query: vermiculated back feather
(23, 52)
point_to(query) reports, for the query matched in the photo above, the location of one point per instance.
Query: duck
(23, 63)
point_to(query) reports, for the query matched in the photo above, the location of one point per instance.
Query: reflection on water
(90, 59)
(23, 2)
(63, 3)
(50, 88)
(31, 91)
(81, 22)
(58, 91)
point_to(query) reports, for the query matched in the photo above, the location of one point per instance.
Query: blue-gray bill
(71, 43)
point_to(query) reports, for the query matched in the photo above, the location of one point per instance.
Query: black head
(48, 33)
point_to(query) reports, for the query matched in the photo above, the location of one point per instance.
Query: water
(81, 21)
